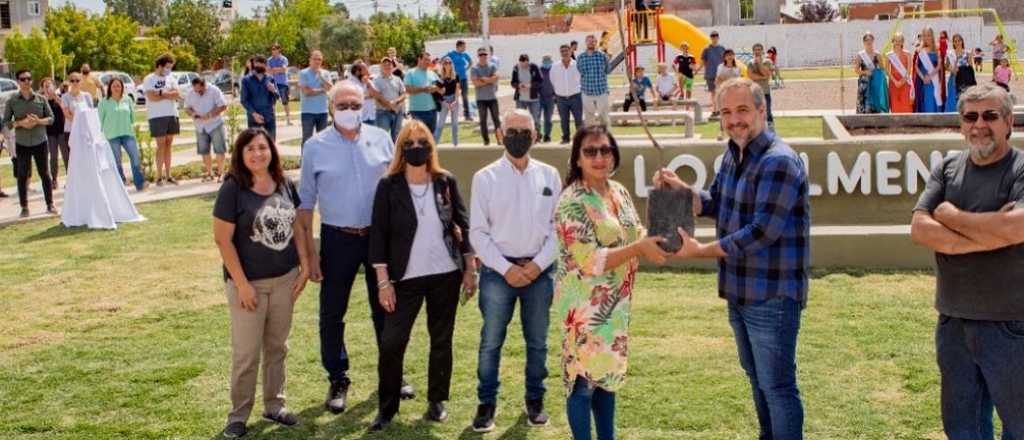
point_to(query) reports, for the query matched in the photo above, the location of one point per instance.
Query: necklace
(416, 198)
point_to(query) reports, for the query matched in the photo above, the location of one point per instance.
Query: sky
(358, 8)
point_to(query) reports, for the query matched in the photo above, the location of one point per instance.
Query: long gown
(95, 195)
(949, 106)
(872, 93)
(924, 94)
(900, 100)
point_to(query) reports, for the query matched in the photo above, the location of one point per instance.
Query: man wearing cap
(685, 63)
(277, 65)
(710, 58)
(484, 76)
(547, 96)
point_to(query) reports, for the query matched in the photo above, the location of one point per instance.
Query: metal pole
(842, 70)
(485, 23)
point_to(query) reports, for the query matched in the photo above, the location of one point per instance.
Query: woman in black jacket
(420, 249)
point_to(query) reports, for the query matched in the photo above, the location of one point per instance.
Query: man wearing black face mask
(511, 229)
(259, 94)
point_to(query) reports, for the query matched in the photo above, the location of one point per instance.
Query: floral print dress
(593, 303)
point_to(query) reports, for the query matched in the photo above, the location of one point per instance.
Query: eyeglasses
(987, 116)
(349, 106)
(415, 143)
(25, 79)
(604, 150)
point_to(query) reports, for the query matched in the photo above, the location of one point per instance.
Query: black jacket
(536, 81)
(393, 226)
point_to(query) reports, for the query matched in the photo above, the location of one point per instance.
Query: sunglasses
(75, 81)
(517, 131)
(604, 151)
(987, 116)
(415, 143)
(349, 106)
(25, 79)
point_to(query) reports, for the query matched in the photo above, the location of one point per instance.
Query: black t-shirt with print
(263, 228)
(682, 63)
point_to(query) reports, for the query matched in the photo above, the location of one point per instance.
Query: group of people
(925, 79)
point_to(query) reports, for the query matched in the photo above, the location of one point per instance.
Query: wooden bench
(655, 117)
(691, 104)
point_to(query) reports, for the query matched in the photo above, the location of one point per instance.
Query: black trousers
(441, 293)
(23, 171)
(629, 101)
(482, 108)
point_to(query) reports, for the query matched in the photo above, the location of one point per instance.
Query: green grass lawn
(124, 335)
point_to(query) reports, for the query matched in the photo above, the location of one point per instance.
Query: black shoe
(436, 412)
(564, 141)
(235, 430)
(379, 424)
(51, 210)
(3, 195)
(535, 415)
(484, 420)
(547, 139)
(337, 396)
(24, 213)
(283, 418)
(407, 392)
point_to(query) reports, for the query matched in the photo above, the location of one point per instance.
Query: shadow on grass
(58, 231)
(517, 431)
(342, 425)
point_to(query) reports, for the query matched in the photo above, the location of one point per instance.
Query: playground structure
(653, 27)
(1011, 44)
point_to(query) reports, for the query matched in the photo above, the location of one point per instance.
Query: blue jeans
(312, 123)
(390, 122)
(547, 107)
(572, 105)
(428, 117)
(497, 302)
(445, 113)
(132, 147)
(981, 363)
(464, 85)
(584, 400)
(534, 108)
(766, 334)
(341, 255)
(269, 123)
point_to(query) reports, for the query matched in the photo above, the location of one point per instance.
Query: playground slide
(675, 31)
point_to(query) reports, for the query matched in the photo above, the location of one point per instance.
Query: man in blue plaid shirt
(759, 200)
(593, 67)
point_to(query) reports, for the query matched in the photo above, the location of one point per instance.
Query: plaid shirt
(763, 221)
(593, 73)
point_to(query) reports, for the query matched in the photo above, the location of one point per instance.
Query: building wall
(1009, 10)
(868, 11)
(727, 12)
(21, 20)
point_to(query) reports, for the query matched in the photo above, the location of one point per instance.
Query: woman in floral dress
(600, 241)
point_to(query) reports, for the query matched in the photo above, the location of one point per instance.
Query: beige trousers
(263, 331)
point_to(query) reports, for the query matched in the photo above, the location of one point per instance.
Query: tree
(36, 52)
(247, 37)
(146, 12)
(818, 11)
(467, 11)
(289, 20)
(103, 41)
(194, 22)
(340, 39)
(508, 8)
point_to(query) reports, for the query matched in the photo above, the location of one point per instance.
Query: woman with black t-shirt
(449, 102)
(256, 230)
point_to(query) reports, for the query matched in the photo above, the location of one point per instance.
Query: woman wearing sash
(961, 75)
(901, 89)
(872, 92)
(927, 89)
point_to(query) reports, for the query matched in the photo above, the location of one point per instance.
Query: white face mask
(348, 119)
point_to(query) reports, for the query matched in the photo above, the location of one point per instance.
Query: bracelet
(383, 283)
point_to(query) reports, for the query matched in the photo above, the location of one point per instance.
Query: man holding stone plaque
(759, 200)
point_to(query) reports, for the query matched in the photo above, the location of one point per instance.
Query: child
(979, 56)
(685, 65)
(641, 84)
(773, 56)
(1002, 74)
(666, 86)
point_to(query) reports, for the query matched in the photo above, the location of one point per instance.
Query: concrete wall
(794, 41)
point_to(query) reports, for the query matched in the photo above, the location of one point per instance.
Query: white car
(185, 78)
(129, 85)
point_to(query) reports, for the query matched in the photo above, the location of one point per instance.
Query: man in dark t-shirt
(685, 63)
(972, 215)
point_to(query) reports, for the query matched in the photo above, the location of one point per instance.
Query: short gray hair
(518, 113)
(343, 84)
(983, 91)
(736, 83)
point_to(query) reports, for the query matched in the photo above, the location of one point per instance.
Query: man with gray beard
(971, 215)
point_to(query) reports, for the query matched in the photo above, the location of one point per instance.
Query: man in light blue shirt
(340, 169)
(278, 67)
(460, 62)
(314, 82)
(420, 83)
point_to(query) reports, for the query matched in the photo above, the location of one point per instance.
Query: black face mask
(260, 70)
(417, 157)
(518, 142)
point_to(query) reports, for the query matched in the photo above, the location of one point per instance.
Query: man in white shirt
(161, 89)
(511, 227)
(566, 81)
(206, 104)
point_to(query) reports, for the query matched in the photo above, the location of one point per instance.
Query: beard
(984, 146)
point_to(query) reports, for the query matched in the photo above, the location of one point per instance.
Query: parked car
(226, 81)
(7, 85)
(130, 87)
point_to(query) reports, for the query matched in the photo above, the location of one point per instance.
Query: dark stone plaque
(668, 210)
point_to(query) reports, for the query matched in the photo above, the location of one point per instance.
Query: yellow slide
(675, 31)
